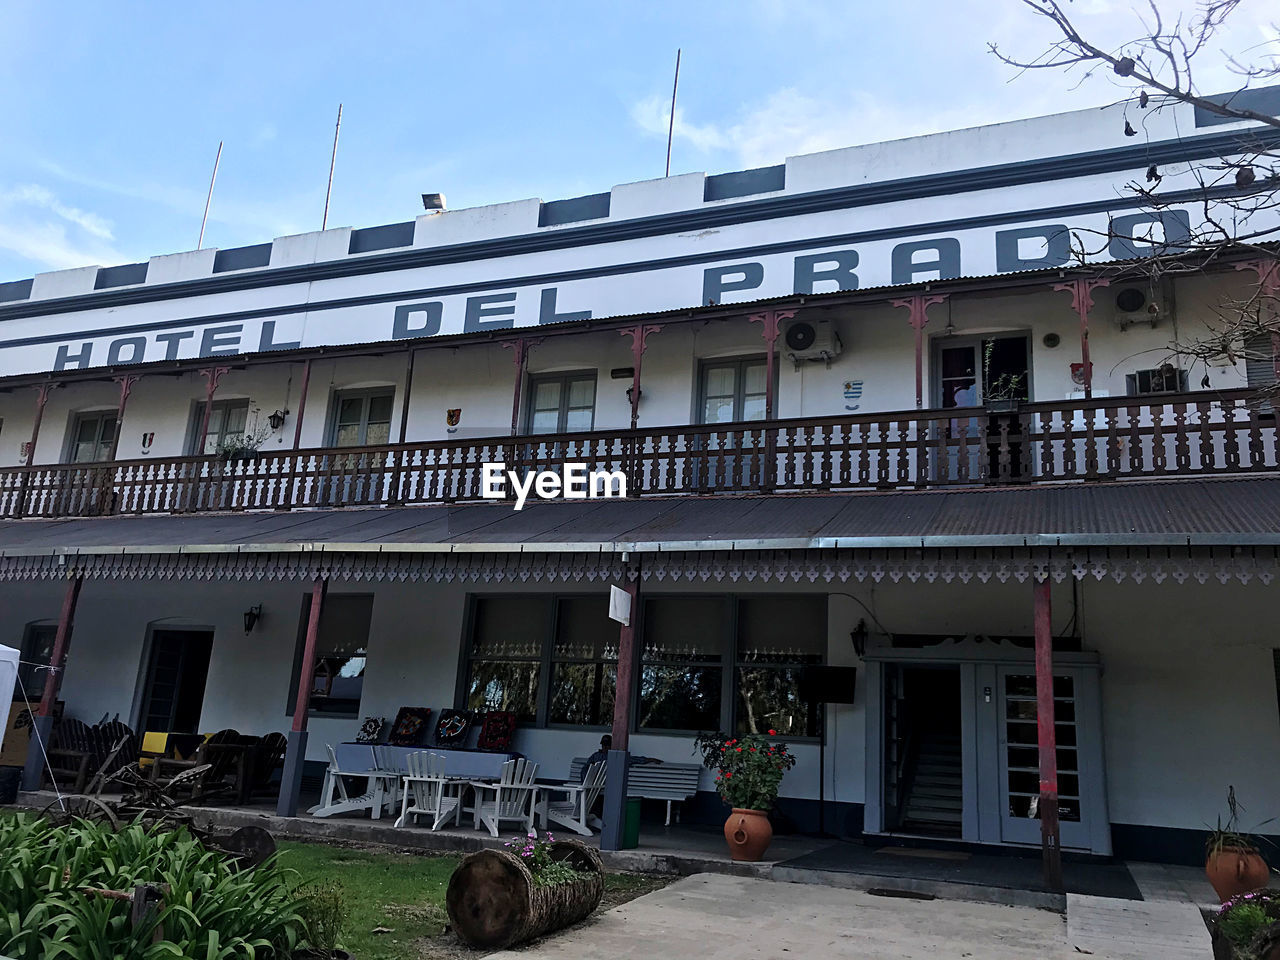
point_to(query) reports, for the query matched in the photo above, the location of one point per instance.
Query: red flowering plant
(748, 769)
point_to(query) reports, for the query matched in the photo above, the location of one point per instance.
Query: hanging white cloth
(620, 606)
(8, 677)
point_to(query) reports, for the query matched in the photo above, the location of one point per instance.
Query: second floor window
(228, 421)
(91, 436)
(562, 403)
(733, 390)
(362, 418)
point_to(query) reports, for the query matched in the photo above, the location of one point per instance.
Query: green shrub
(324, 912)
(211, 911)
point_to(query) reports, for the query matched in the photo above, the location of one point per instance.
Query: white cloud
(37, 226)
(790, 123)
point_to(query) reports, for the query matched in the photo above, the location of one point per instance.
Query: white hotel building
(848, 396)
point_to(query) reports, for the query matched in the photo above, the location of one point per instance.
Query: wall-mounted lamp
(251, 618)
(859, 637)
(277, 419)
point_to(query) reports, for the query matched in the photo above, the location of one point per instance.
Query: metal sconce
(251, 618)
(859, 637)
(277, 419)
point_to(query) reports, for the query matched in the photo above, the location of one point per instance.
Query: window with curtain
(228, 421)
(362, 418)
(733, 390)
(92, 435)
(777, 638)
(682, 663)
(505, 663)
(342, 643)
(562, 403)
(584, 662)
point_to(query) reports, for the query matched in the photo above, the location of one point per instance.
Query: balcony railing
(1107, 439)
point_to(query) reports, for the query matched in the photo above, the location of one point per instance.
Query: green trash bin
(631, 824)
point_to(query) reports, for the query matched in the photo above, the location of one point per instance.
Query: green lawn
(401, 895)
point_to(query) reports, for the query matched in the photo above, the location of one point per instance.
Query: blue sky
(112, 113)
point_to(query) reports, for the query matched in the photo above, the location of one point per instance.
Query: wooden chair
(426, 790)
(334, 798)
(513, 797)
(268, 757)
(575, 809)
(72, 753)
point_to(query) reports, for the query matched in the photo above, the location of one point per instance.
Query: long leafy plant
(210, 910)
(749, 769)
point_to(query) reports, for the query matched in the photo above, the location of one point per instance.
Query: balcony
(1199, 434)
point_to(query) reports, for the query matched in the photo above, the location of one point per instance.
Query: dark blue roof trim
(15, 290)
(768, 208)
(593, 207)
(643, 266)
(1262, 100)
(121, 276)
(381, 238)
(242, 258)
(744, 183)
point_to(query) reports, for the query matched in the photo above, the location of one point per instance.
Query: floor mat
(923, 854)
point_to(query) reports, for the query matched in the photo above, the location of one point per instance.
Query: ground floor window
(337, 680)
(35, 653)
(711, 662)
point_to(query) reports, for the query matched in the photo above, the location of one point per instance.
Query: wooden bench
(672, 782)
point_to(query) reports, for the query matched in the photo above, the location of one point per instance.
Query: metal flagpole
(332, 161)
(671, 124)
(209, 199)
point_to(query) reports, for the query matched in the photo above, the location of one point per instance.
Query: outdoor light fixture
(433, 202)
(277, 419)
(859, 637)
(251, 618)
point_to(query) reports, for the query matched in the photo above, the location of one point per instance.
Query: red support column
(126, 387)
(521, 348)
(624, 688)
(1081, 290)
(307, 669)
(770, 319)
(918, 307)
(296, 754)
(42, 397)
(639, 335)
(302, 404)
(213, 376)
(1047, 735)
(42, 723)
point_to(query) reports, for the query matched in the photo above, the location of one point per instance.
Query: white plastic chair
(334, 798)
(426, 790)
(575, 809)
(513, 797)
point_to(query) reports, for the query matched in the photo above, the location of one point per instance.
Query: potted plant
(1232, 862)
(241, 446)
(1247, 927)
(749, 770)
(1005, 392)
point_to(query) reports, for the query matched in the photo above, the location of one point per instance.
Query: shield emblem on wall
(452, 416)
(147, 440)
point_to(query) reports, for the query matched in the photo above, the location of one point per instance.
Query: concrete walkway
(712, 916)
(1136, 929)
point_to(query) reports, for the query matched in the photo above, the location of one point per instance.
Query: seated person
(602, 755)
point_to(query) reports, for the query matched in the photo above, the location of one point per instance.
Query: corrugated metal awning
(1242, 511)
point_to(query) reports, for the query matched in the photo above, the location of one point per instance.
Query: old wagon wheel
(249, 846)
(65, 810)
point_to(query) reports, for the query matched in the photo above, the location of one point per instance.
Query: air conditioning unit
(811, 341)
(1138, 303)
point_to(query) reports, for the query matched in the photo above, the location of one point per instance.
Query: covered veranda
(1150, 532)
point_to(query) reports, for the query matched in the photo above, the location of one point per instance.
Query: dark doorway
(176, 672)
(923, 786)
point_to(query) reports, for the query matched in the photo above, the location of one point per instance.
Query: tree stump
(493, 901)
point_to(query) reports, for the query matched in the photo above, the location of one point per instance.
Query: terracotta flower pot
(1235, 870)
(748, 833)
